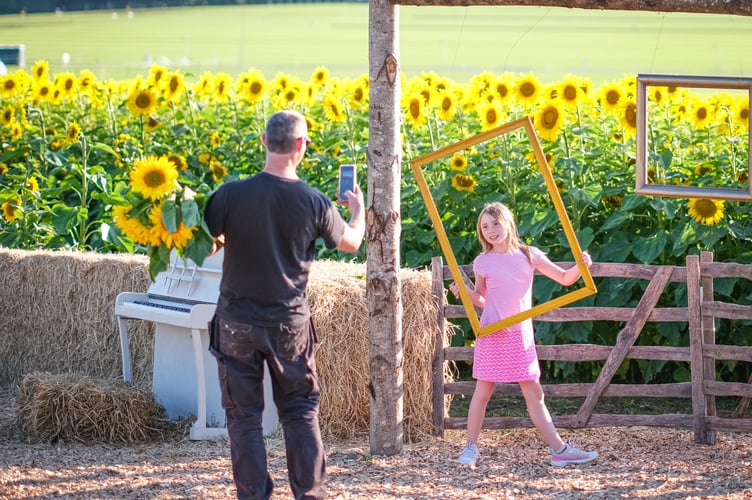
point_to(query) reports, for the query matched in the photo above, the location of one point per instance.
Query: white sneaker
(469, 456)
(572, 455)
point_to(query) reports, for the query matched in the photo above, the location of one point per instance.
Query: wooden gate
(702, 353)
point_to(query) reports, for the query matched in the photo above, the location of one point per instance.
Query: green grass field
(455, 42)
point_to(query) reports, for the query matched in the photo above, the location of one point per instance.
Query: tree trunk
(383, 230)
(735, 7)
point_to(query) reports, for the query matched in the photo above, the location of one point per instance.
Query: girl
(503, 286)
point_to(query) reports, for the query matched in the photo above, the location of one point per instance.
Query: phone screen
(346, 180)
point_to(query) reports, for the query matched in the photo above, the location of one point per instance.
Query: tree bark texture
(383, 223)
(734, 7)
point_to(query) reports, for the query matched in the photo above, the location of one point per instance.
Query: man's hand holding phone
(348, 190)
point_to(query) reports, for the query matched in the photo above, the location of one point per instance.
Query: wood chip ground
(634, 462)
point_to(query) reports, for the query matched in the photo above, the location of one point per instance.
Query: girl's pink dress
(507, 355)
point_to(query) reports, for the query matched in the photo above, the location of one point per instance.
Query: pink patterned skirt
(506, 356)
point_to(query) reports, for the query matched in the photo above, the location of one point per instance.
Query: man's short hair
(283, 129)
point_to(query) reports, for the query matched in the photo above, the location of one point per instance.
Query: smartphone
(346, 181)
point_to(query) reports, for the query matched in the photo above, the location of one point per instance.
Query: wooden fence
(702, 353)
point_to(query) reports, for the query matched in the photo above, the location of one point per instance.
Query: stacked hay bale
(58, 314)
(340, 312)
(58, 317)
(66, 407)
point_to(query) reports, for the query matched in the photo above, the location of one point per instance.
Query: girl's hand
(586, 259)
(455, 289)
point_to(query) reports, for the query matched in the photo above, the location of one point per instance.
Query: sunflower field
(126, 166)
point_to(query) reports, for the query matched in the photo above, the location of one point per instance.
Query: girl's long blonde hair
(504, 216)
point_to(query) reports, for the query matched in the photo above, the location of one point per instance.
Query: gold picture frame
(525, 123)
(642, 184)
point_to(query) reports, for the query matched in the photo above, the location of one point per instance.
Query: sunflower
(287, 97)
(458, 162)
(739, 110)
(569, 92)
(658, 95)
(16, 131)
(74, 131)
(40, 70)
(174, 87)
(357, 94)
(628, 117)
(548, 121)
(480, 84)
(67, 84)
(218, 170)
(215, 139)
(178, 239)
(610, 97)
(178, 161)
(490, 115)
(32, 184)
(706, 211)
(253, 87)
(9, 86)
(3, 168)
(222, 86)
(142, 102)
(8, 115)
(205, 85)
(700, 112)
(334, 109)
(462, 182)
(527, 89)
(42, 91)
(157, 76)
(153, 177)
(152, 123)
(319, 77)
(133, 228)
(11, 210)
(87, 81)
(503, 86)
(447, 106)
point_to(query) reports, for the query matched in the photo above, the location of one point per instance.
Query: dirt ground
(634, 462)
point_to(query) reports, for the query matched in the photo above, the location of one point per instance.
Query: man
(270, 223)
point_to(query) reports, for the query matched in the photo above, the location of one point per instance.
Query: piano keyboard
(160, 305)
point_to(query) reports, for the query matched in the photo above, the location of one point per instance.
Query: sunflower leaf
(170, 216)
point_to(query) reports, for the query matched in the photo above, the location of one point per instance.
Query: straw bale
(337, 295)
(58, 314)
(77, 408)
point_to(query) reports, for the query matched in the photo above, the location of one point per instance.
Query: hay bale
(337, 296)
(58, 314)
(70, 407)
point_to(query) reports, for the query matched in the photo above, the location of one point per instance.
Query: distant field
(456, 42)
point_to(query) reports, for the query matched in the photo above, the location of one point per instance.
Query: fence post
(708, 338)
(695, 349)
(437, 365)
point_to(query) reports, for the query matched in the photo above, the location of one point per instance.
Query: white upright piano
(181, 302)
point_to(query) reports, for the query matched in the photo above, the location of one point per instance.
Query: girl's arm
(560, 275)
(477, 293)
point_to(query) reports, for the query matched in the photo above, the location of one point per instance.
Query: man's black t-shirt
(271, 226)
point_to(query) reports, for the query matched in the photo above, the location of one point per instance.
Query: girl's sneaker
(469, 456)
(572, 455)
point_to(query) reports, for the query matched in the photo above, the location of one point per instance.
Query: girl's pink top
(509, 285)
